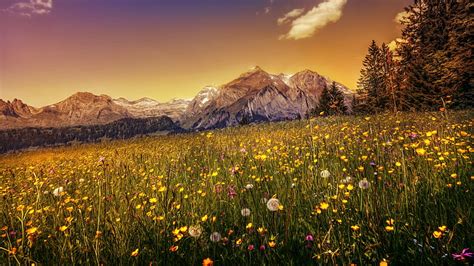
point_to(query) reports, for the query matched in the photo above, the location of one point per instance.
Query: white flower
(195, 231)
(249, 186)
(245, 212)
(347, 180)
(215, 237)
(57, 191)
(325, 174)
(273, 204)
(81, 180)
(364, 184)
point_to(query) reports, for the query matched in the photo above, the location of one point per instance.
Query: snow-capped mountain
(259, 96)
(254, 96)
(146, 107)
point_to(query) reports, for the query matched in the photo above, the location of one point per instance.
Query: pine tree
(331, 102)
(371, 88)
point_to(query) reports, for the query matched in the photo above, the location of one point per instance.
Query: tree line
(429, 68)
(15, 139)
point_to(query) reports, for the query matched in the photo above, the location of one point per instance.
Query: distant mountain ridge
(254, 96)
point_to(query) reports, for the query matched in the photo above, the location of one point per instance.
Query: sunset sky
(164, 49)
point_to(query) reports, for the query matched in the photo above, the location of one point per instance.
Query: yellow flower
(383, 263)
(420, 151)
(323, 205)
(443, 228)
(63, 228)
(134, 253)
(398, 164)
(207, 262)
(389, 228)
(31, 230)
(153, 200)
(272, 244)
(355, 227)
(437, 234)
(204, 218)
(249, 226)
(350, 187)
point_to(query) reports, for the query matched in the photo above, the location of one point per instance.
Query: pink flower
(309, 237)
(231, 192)
(464, 255)
(251, 247)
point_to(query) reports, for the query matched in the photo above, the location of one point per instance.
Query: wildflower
(57, 191)
(464, 255)
(250, 247)
(443, 228)
(437, 234)
(323, 205)
(174, 248)
(273, 204)
(195, 231)
(134, 253)
(355, 228)
(325, 174)
(309, 237)
(207, 262)
(245, 212)
(364, 184)
(383, 263)
(153, 200)
(231, 192)
(249, 186)
(204, 218)
(262, 248)
(389, 228)
(420, 151)
(31, 230)
(63, 228)
(215, 237)
(272, 244)
(249, 226)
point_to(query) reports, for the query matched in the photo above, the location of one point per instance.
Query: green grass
(419, 169)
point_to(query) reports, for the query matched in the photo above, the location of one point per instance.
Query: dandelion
(215, 237)
(325, 174)
(245, 212)
(364, 184)
(195, 231)
(273, 204)
(57, 191)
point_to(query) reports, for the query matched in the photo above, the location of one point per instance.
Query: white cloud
(315, 19)
(29, 8)
(290, 15)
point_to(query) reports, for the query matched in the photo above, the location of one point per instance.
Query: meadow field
(376, 190)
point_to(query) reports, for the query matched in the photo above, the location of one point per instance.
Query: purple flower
(262, 247)
(231, 192)
(309, 237)
(372, 163)
(413, 135)
(464, 255)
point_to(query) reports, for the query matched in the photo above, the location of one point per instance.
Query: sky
(165, 49)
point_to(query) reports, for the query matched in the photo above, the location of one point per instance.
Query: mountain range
(254, 96)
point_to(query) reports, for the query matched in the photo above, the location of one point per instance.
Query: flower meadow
(378, 190)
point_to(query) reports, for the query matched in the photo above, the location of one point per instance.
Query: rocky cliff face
(259, 96)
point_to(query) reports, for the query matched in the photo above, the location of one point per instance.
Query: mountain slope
(146, 107)
(259, 96)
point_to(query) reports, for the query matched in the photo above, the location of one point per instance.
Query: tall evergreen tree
(331, 101)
